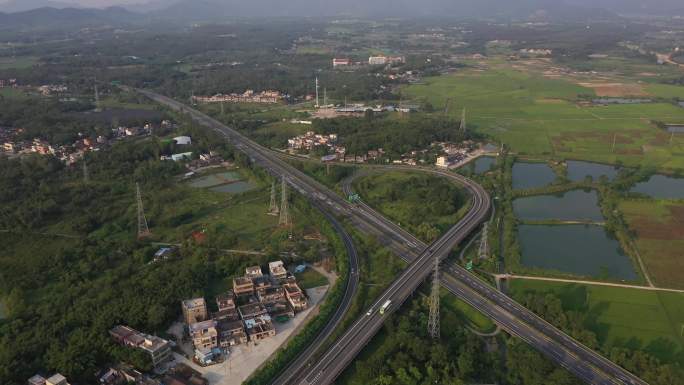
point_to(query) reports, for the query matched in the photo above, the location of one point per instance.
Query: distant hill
(51, 18)
(661, 7)
(520, 9)
(12, 6)
(189, 11)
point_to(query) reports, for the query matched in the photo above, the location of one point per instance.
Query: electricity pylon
(143, 229)
(484, 245)
(86, 175)
(284, 206)
(273, 210)
(463, 121)
(433, 321)
(97, 98)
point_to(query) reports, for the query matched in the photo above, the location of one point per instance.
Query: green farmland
(535, 115)
(622, 317)
(659, 229)
(18, 62)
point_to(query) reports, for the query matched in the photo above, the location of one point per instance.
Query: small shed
(183, 140)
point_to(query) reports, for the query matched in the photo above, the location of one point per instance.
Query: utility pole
(325, 96)
(614, 141)
(433, 321)
(143, 229)
(446, 107)
(463, 121)
(484, 245)
(273, 210)
(672, 137)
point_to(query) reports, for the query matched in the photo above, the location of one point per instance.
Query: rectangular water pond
(585, 250)
(661, 187)
(576, 205)
(578, 170)
(532, 175)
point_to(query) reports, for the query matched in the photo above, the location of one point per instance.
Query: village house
(295, 296)
(252, 310)
(56, 379)
(277, 270)
(243, 286)
(262, 284)
(231, 333)
(259, 328)
(249, 96)
(226, 301)
(204, 334)
(253, 272)
(157, 348)
(194, 310)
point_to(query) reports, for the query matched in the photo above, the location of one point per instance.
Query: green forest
(71, 268)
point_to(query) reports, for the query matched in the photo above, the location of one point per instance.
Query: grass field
(310, 278)
(477, 320)
(659, 227)
(17, 63)
(536, 115)
(652, 321)
(114, 103)
(13, 93)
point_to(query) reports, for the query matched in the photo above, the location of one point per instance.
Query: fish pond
(483, 164)
(576, 205)
(578, 170)
(532, 175)
(661, 187)
(584, 250)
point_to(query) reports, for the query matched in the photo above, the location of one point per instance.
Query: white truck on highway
(385, 306)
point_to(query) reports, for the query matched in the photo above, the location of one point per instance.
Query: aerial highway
(516, 319)
(296, 366)
(513, 317)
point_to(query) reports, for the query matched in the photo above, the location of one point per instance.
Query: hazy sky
(617, 6)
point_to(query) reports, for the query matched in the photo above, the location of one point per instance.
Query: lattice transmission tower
(86, 174)
(285, 219)
(484, 243)
(143, 229)
(273, 209)
(433, 321)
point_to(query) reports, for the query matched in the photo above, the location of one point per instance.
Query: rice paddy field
(659, 229)
(540, 115)
(648, 320)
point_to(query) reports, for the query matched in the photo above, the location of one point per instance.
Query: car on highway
(385, 306)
